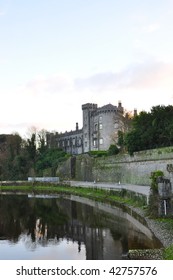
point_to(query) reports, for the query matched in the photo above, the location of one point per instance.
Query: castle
(100, 130)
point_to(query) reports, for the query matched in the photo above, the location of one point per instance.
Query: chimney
(120, 108)
(77, 126)
(135, 112)
(119, 104)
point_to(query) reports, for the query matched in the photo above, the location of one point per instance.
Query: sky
(57, 55)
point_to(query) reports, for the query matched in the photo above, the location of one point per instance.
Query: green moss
(154, 176)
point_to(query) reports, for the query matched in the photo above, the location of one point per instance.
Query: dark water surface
(67, 229)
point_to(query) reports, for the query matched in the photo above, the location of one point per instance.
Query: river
(69, 228)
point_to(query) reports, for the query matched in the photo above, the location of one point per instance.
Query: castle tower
(87, 111)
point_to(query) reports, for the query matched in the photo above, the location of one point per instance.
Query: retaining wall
(122, 168)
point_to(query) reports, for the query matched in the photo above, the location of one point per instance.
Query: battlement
(89, 106)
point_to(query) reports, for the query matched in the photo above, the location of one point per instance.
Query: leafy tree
(41, 141)
(20, 158)
(151, 130)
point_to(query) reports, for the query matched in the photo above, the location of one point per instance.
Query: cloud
(148, 75)
(151, 28)
(52, 84)
(99, 81)
(54, 102)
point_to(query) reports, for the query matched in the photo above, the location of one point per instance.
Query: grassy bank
(120, 197)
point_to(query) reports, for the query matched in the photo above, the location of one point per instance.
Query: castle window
(85, 135)
(96, 127)
(100, 126)
(101, 141)
(85, 144)
(100, 118)
(94, 143)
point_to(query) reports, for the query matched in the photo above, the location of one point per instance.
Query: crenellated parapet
(89, 106)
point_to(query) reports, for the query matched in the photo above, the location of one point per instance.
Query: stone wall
(124, 168)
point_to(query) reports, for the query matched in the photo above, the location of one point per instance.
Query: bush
(113, 150)
(98, 153)
(154, 176)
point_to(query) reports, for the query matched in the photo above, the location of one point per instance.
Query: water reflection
(68, 228)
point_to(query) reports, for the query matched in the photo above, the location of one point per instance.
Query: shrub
(98, 153)
(113, 150)
(154, 176)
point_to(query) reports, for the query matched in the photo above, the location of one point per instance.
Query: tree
(41, 141)
(10, 148)
(151, 130)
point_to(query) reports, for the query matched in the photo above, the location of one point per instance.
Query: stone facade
(100, 130)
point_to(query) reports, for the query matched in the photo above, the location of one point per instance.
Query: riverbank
(162, 229)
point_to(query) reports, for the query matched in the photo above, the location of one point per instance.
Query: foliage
(153, 198)
(21, 158)
(151, 130)
(120, 138)
(98, 153)
(113, 150)
(154, 176)
(50, 158)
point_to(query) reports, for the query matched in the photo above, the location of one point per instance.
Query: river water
(68, 228)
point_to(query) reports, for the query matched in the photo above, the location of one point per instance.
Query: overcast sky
(56, 55)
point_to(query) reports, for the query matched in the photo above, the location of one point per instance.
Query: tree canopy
(21, 158)
(151, 130)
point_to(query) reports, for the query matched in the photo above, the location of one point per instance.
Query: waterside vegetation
(121, 197)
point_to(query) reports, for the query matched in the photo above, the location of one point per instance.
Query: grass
(167, 223)
(168, 253)
(93, 193)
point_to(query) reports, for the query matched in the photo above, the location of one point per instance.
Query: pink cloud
(149, 75)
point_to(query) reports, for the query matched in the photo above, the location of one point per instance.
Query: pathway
(144, 190)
